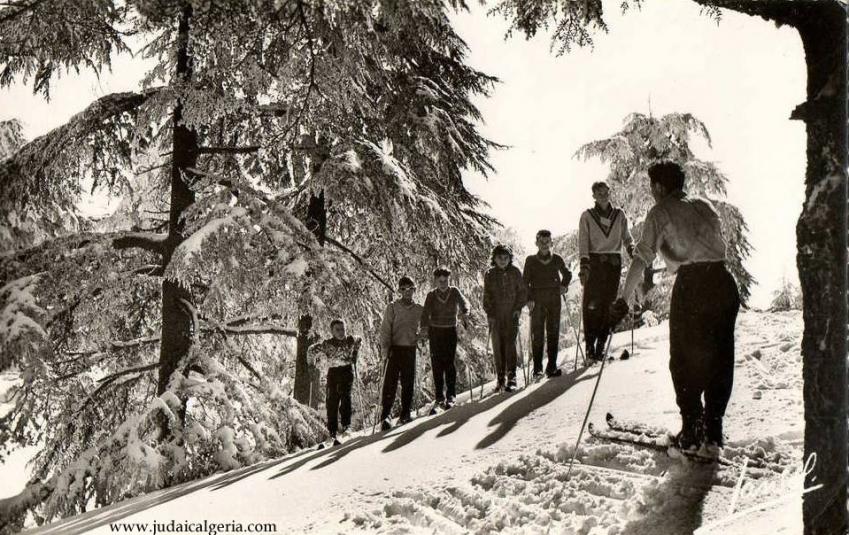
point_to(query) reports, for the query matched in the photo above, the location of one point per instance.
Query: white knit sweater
(600, 234)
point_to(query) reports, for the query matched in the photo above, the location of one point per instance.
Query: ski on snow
(649, 437)
(658, 436)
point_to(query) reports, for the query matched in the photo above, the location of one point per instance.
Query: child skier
(602, 231)
(504, 295)
(439, 321)
(687, 232)
(338, 356)
(399, 335)
(547, 278)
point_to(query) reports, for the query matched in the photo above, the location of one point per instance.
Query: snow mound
(612, 489)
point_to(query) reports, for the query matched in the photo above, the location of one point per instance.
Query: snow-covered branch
(148, 241)
(261, 328)
(13, 509)
(362, 262)
(229, 150)
(30, 175)
(129, 371)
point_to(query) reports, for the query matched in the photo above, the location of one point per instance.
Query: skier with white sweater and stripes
(602, 233)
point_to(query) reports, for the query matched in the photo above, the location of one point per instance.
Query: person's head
(440, 277)
(502, 256)
(601, 193)
(544, 241)
(337, 329)
(406, 287)
(665, 178)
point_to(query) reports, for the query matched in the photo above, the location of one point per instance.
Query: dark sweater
(504, 291)
(549, 275)
(440, 308)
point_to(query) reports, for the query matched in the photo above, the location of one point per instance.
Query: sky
(741, 76)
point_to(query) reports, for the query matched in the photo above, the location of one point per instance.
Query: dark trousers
(545, 327)
(504, 329)
(400, 365)
(443, 349)
(339, 383)
(702, 315)
(599, 293)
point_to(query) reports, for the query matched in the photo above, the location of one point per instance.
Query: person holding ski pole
(338, 356)
(439, 322)
(504, 296)
(547, 278)
(399, 336)
(687, 232)
(602, 232)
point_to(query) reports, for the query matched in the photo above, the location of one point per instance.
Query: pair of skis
(656, 438)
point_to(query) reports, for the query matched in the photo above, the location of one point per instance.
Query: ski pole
(360, 389)
(417, 394)
(471, 384)
(523, 362)
(529, 359)
(589, 408)
(492, 351)
(380, 392)
(577, 335)
(578, 340)
(633, 319)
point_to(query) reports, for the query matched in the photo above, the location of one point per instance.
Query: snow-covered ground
(501, 464)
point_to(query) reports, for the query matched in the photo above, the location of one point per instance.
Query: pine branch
(362, 262)
(23, 8)
(789, 12)
(29, 169)
(113, 376)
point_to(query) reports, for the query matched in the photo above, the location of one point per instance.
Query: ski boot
(511, 386)
(556, 372)
(386, 424)
(449, 403)
(405, 419)
(714, 441)
(625, 355)
(538, 376)
(691, 436)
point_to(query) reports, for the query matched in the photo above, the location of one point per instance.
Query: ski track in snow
(500, 465)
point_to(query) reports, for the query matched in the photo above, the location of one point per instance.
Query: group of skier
(684, 230)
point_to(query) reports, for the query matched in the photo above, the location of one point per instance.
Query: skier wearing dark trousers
(547, 278)
(399, 335)
(687, 233)
(504, 295)
(337, 355)
(602, 232)
(439, 322)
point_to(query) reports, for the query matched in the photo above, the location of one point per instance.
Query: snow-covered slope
(501, 463)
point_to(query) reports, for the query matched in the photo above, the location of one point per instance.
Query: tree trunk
(821, 259)
(821, 240)
(301, 391)
(307, 388)
(176, 320)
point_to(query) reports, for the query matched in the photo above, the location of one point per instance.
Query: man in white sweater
(602, 232)
(399, 334)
